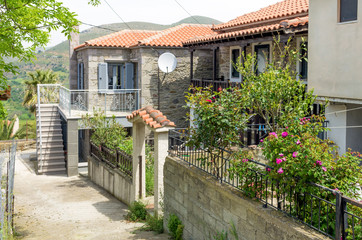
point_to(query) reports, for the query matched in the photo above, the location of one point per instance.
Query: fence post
(344, 218)
(339, 214)
(140, 176)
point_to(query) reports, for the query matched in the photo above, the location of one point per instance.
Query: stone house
(254, 33)
(335, 36)
(128, 60)
(117, 74)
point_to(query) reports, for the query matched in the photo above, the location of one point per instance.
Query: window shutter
(129, 75)
(102, 76)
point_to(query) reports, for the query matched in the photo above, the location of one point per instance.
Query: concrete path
(58, 207)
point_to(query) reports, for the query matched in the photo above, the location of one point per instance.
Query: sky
(157, 11)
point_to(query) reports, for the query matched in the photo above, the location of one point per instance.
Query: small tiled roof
(152, 117)
(281, 9)
(173, 37)
(124, 38)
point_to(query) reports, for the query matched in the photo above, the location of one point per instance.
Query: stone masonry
(205, 207)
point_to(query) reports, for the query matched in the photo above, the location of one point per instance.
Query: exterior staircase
(50, 150)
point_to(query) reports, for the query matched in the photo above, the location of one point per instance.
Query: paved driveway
(58, 207)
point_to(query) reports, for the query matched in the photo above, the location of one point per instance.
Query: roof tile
(152, 117)
(281, 9)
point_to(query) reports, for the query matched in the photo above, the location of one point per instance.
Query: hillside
(56, 59)
(95, 32)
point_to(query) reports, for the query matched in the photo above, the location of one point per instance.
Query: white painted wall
(337, 135)
(354, 131)
(335, 52)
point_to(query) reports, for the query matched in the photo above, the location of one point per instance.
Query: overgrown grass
(137, 212)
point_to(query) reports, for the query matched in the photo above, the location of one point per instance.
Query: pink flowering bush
(309, 159)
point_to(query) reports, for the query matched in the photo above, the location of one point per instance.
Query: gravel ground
(57, 207)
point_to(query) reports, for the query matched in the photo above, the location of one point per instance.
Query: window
(116, 76)
(262, 57)
(80, 82)
(234, 58)
(303, 64)
(347, 10)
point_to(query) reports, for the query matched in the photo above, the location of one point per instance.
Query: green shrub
(150, 161)
(179, 232)
(137, 211)
(175, 227)
(154, 223)
(127, 145)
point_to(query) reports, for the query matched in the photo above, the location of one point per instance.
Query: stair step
(58, 141)
(54, 153)
(51, 146)
(54, 157)
(50, 128)
(52, 170)
(54, 164)
(49, 120)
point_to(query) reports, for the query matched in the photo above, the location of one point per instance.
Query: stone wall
(112, 180)
(22, 144)
(174, 85)
(205, 207)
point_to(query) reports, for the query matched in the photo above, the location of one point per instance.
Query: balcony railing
(76, 103)
(216, 84)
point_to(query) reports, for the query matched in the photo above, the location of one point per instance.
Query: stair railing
(39, 154)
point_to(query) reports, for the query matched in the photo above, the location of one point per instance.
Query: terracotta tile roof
(285, 24)
(152, 117)
(283, 9)
(221, 36)
(295, 22)
(124, 38)
(173, 37)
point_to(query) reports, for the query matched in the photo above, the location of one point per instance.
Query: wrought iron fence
(114, 158)
(7, 191)
(321, 208)
(216, 84)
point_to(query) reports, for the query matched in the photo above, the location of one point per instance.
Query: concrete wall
(334, 52)
(112, 180)
(206, 206)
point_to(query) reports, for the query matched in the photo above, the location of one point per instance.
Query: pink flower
(281, 154)
(298, 142)
(219, 89)
(324, 169)
(268, 169)
(336, 189)
(279, 161)
(284, 159)
(319, 162)
(245, 160)
(286, 127)
(284, 134)
(295, 154)
(261, 140)
(280, 170)
(208, 100)
(274, 134)
(213, 97)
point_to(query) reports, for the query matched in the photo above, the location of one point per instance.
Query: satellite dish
(167, 62)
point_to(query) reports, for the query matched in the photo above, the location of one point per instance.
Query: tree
(25, 25)
(37, 77)
(275, 94)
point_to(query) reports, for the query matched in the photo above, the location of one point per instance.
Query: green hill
(56, 59)
(105, 29)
